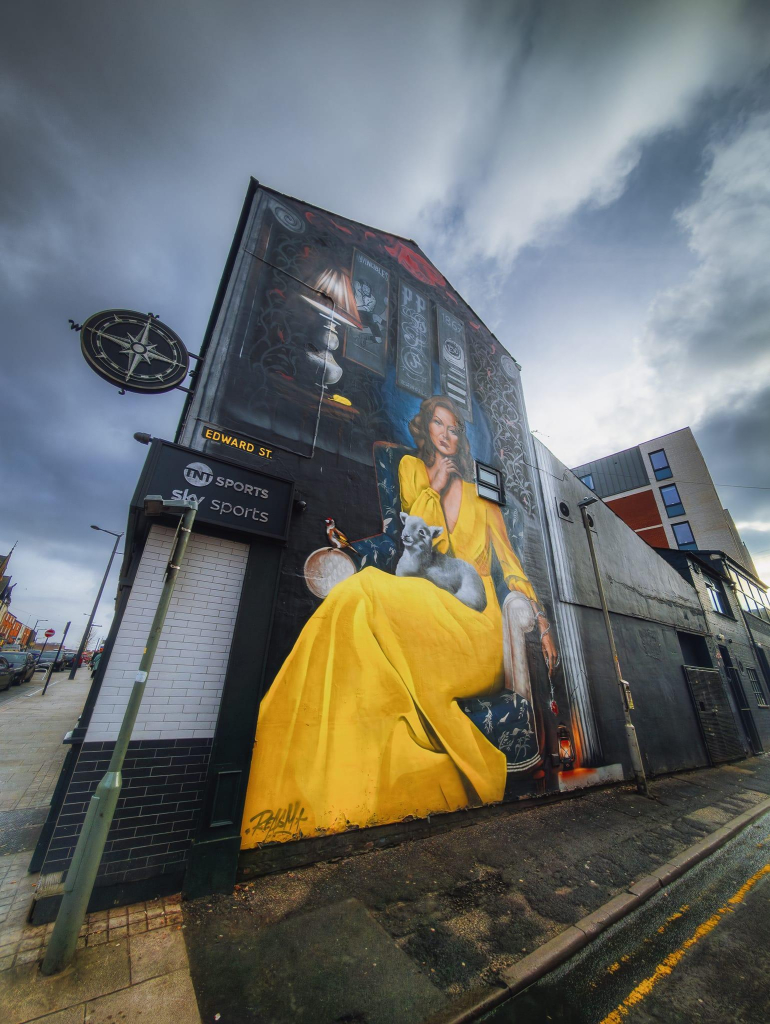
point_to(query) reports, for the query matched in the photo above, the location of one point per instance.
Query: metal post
(42, 652)
(84, 641)
(50, 670)
(633, 741)
(101, 810)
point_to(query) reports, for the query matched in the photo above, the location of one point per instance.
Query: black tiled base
(157, 813)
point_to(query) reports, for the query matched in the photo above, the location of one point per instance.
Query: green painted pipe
(82, 872)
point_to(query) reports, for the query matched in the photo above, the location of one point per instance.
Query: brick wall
(739, 644)
(157, 814)
(167, 759)
(702, 506)
(185, 685)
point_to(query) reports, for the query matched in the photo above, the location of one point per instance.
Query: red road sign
(50, 632)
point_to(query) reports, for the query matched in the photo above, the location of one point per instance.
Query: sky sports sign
(228, 495)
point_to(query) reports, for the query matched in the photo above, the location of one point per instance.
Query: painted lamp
(335, 285)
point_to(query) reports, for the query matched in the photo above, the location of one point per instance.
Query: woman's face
(444, 432)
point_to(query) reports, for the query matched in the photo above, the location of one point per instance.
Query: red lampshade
(336, 285)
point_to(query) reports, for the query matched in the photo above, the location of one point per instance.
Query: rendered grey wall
(649, 601)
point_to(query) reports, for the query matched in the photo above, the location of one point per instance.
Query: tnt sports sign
(227, 494)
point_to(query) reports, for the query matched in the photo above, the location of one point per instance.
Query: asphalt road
(696, 952)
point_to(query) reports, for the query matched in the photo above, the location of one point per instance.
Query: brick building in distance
(663, 490)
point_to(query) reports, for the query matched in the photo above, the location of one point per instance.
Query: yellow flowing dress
(361, 726)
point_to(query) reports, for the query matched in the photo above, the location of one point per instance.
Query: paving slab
(330, 965)
(72, 1015)
(169, 999)
(26, 994)
(157, 952)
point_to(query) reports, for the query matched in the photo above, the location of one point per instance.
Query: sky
(592, 176)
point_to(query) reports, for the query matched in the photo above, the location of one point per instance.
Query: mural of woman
(361, 725)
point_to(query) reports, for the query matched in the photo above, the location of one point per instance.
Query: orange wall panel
(637, 510)
(655, 538)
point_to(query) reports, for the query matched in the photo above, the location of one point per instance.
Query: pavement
(423, 931)
(131, 963)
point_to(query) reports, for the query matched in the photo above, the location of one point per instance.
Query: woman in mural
(361, 726)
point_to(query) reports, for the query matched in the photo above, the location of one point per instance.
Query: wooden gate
(720, 731)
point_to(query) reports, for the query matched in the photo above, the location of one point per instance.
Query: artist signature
(284, 821)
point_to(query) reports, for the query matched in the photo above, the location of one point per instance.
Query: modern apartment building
(663, 490)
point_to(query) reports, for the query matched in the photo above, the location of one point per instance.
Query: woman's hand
(547, 645)
(441, 472)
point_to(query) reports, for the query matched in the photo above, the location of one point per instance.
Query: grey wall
(637, 581)
(649, 601)
(623, 471)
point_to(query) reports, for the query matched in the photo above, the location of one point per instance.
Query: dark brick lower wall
(157, 813)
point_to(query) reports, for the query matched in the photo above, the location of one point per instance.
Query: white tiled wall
(185, 684)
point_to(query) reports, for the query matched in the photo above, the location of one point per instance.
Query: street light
(33, 634)
(82, 872)
(625, 690)
(83, 642)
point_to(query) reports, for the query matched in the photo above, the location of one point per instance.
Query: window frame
(585, 479)
(485, 488)
(756, 685)
(717, 596)
(675, 508)
(665, 472)
(751, 598)
(687, 546)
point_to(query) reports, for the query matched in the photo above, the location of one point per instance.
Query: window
(588, 480)
(489, 483)
(756, 686)
(751, 598)
(672, 501)
(716, 595)
(660, 465)
(684, 537)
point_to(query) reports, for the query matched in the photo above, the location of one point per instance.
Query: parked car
(46, 659)
(6, 673)
(68, 658)
(23, 665)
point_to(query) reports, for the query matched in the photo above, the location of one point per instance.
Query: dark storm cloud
(707, 340)
(734, 442)
(130, 130)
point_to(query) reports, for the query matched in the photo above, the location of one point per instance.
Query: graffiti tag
(284, 821)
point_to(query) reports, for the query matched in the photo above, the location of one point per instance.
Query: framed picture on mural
(415, 342)
(371, 283)
(453, 360)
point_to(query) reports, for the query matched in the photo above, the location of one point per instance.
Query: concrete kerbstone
(544, 959)
(471, 1005)
(645, 887)
(612, 911)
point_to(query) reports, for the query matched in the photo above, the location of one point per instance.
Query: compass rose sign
(134, 351)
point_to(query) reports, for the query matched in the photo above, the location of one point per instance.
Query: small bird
(336, 537)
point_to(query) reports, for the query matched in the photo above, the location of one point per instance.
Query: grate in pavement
(19, 830)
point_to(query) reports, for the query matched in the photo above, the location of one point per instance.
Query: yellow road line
(666, 966)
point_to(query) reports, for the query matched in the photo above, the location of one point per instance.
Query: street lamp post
(633, 740)
(82, 872)
(83, 642)
(33, 634)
